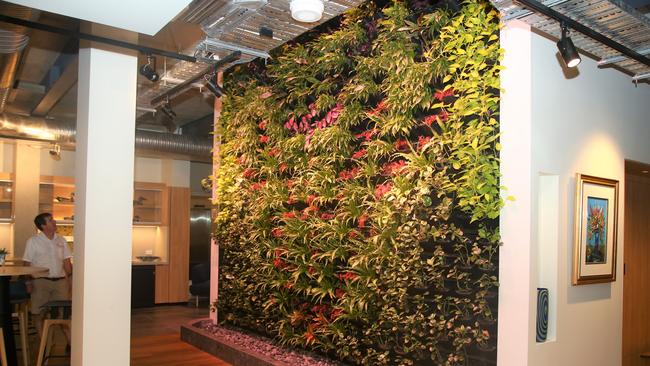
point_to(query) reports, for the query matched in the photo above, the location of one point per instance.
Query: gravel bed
(265, 346)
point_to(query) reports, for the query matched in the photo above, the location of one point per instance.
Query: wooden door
(636, 284)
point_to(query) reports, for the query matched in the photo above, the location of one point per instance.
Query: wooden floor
(169, 350)
(155, 339)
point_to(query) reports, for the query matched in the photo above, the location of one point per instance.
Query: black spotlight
(148, 70)
(214, 88)
(266, 32)
(167, 110)
(567, 49)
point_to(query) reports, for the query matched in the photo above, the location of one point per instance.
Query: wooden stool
(21, 311)
(3, 350)
(46, 339)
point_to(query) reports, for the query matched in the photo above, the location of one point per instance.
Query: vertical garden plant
(359, 192)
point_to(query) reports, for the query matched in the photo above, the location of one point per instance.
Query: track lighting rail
(90, 37)
(543, 9)
(178, 89)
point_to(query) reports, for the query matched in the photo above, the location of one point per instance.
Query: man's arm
(67, 267)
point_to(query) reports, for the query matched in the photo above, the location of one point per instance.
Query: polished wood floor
(155, 339)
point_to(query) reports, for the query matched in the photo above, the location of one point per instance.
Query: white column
(101, 318)
(516, 158)
(216, 164)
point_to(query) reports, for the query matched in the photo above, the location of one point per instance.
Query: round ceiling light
(307, 11)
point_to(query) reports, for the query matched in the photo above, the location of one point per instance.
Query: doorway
(636, 265)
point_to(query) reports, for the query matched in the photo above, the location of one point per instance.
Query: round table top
(21, 270)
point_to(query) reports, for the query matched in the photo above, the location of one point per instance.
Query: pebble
(265, 346)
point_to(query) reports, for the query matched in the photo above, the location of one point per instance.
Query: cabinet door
(149, 204)
(6, 200)
(142, 286)
(179, 244)
(162, 284)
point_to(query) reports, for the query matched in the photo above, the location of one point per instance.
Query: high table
(6, 272)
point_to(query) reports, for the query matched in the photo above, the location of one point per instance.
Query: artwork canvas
(596, 230)
(596, 213)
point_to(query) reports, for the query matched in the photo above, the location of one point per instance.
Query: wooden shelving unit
(150, 201)
(6, 197)
(56, 195)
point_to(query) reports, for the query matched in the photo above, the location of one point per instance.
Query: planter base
(224, 349)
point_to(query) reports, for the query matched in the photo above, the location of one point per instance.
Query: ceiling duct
(47, 130)
(13, 40)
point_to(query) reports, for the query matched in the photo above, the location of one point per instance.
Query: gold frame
(578, 277)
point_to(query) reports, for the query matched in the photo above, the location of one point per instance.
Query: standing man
(49, 250)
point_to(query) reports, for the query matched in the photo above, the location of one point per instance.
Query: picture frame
(596, 230)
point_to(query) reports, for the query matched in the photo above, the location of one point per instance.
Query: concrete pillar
(27, 177)
(101, 318)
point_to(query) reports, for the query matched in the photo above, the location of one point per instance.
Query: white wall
(589, 124)
(64, 167)
(148, 170)
(7, 156)
(199, 171)
(174, 173)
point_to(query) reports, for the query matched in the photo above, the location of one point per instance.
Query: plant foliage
(358, 188)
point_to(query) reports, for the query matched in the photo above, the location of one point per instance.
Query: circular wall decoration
(542, 314)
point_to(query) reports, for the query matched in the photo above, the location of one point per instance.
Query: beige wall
(7, 156)
(27, 162)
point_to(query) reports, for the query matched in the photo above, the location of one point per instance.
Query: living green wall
(358, 188)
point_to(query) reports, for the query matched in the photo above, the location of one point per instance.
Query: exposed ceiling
(45, 81)
(626, 23)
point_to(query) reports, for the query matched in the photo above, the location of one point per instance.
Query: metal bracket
(180, 88)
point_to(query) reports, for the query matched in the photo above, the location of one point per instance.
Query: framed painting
(596, 221)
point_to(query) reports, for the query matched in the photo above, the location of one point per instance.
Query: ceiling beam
(59, 88)
(93, 38)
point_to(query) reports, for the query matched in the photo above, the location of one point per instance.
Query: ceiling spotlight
(307, 11)
(167, 110)
(213, 87)
(55, 152)
(567, 49)
(148, 70)
(266, 32)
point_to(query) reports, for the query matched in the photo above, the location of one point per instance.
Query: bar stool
(3, 350)
(20, 300)
(21, 311)
(63, 307)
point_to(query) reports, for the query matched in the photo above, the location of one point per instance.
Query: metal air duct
(41, 129)
(13, 40)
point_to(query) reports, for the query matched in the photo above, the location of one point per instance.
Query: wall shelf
(6, 197)
(56, 195)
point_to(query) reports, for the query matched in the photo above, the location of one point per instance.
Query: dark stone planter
(224, 349)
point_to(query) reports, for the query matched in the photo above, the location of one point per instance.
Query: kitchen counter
(138, 262)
